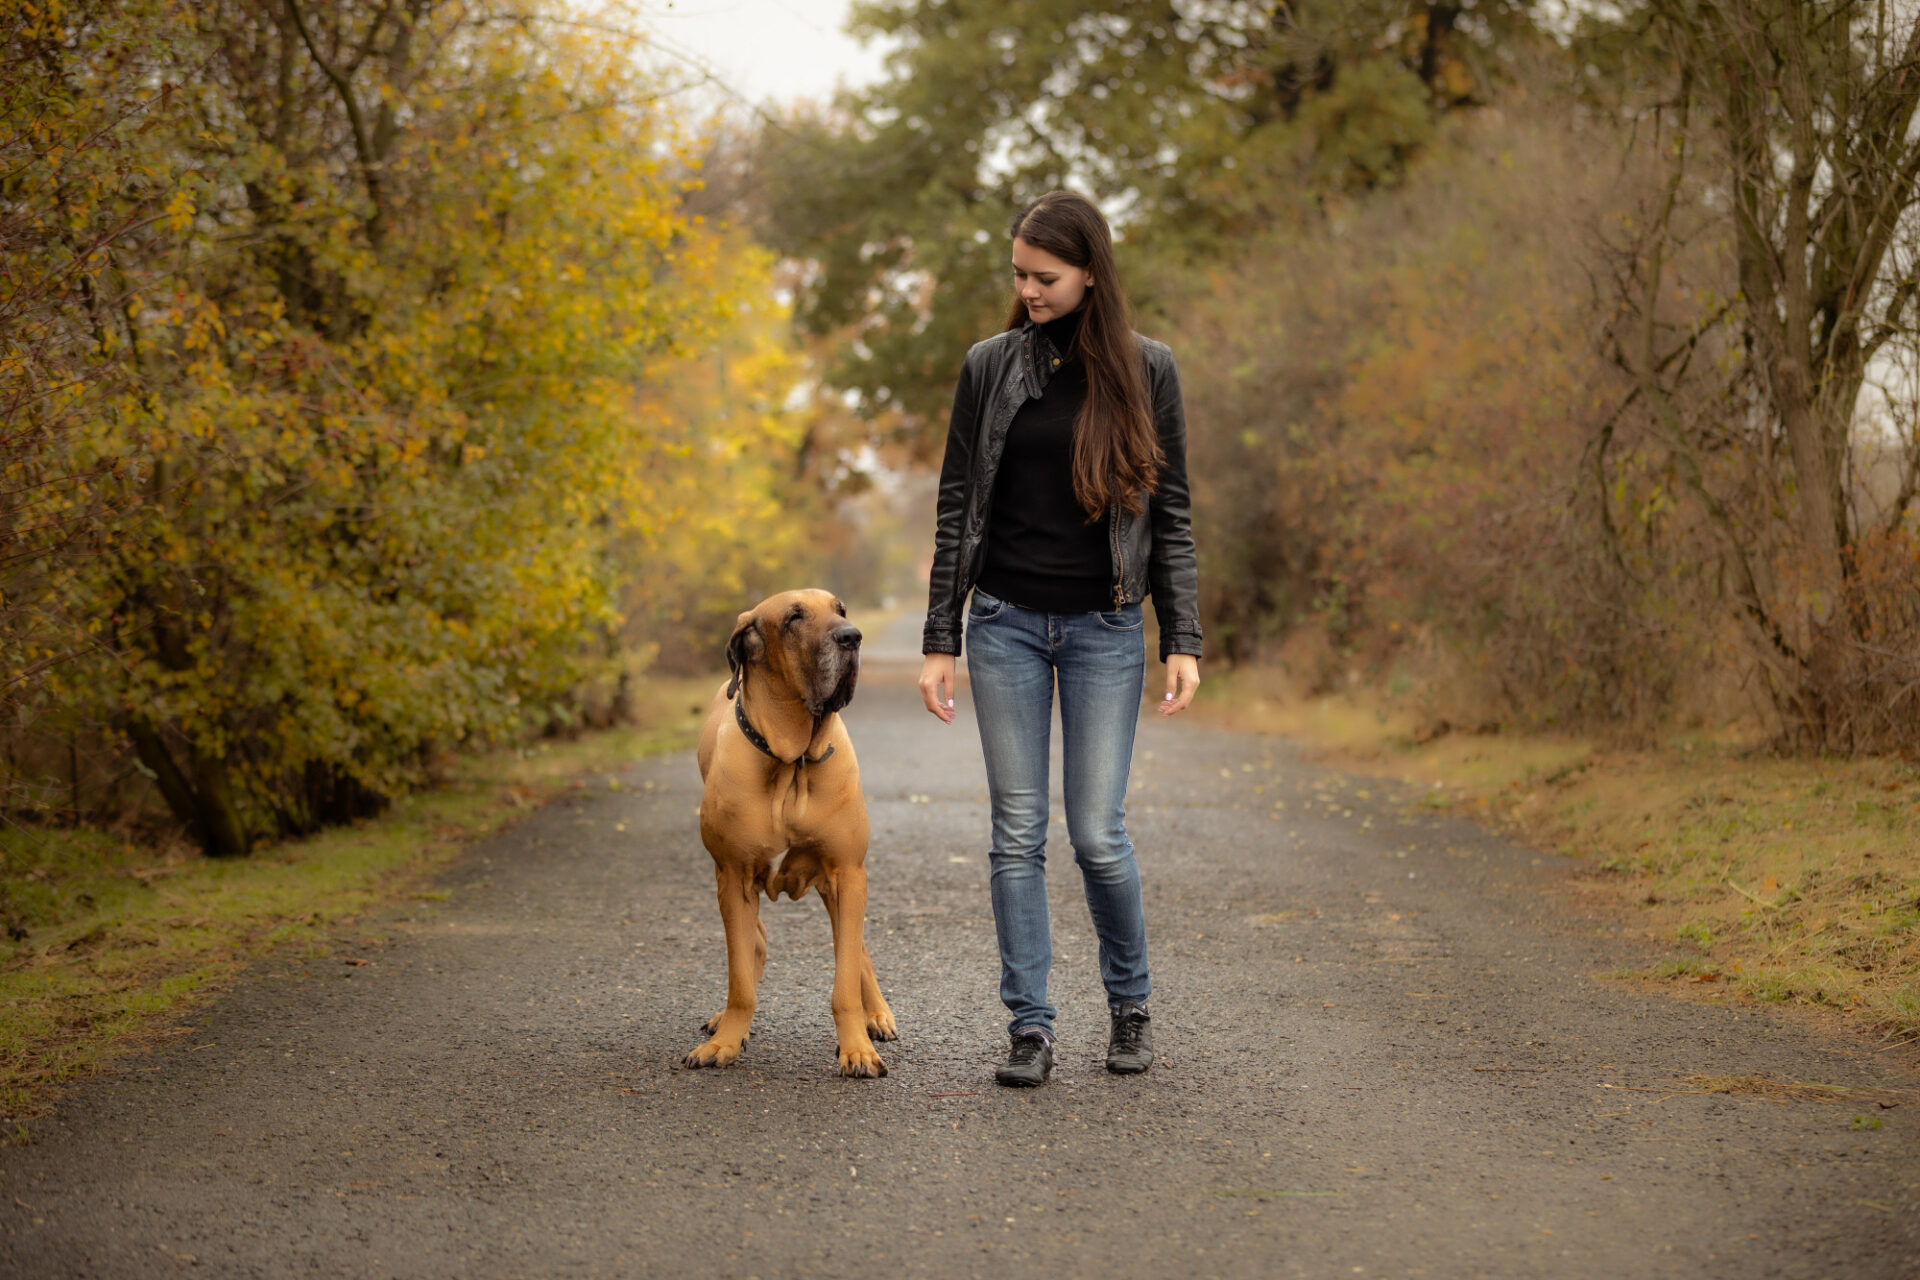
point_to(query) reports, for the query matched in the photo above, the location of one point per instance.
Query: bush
(1392, 414)
(360, 438)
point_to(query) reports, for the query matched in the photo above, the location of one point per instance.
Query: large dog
(782, 813)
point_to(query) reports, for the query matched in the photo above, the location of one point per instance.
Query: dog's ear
(744, 646)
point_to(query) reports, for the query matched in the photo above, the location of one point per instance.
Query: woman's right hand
(936, 685)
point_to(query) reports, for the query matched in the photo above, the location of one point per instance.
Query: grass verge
(120, 937)
(1783, 880)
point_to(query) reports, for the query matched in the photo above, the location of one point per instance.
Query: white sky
(765, 49)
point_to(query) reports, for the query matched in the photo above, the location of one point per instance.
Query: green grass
(1783, 880)
(120, 937)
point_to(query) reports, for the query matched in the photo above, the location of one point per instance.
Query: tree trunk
(174, 787)
(203, 803)
(226, 834)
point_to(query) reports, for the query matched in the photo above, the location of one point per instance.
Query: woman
(1063, 503)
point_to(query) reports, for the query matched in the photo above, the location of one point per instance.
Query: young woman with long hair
(1063, 504)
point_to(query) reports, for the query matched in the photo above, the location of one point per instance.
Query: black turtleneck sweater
(1041, 552)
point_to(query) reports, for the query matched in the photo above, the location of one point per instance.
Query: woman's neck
(1063, 331)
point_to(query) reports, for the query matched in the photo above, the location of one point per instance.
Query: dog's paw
(880, 1026)
(862, 1064)
(712, 1054)
(712, 1027)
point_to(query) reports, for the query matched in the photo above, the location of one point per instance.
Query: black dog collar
(754, 736)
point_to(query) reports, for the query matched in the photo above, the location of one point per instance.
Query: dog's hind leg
(740, 912)
(880, 1024)
(844, 890)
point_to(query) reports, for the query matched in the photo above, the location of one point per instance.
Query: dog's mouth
(840, 690)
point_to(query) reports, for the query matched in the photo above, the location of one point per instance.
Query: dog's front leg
(712, 1024)
(845, 893)
(740, 912)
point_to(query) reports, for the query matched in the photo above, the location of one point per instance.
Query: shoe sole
(1019, 1084)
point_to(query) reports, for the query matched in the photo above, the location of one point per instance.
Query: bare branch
(362, 137)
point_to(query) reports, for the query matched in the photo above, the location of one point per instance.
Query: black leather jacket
(1152, 553)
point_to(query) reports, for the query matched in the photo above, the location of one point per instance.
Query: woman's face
(1048, 286)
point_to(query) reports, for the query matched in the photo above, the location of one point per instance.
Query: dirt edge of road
(1765, 879)
(124, 940)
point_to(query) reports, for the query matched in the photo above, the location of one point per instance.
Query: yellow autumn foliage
(384, 388)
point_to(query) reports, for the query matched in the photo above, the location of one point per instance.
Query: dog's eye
(795, 614)
(839, 608)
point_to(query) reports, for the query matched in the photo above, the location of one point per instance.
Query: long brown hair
(1116, 451)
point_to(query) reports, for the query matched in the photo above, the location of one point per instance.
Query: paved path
(1383, 1053)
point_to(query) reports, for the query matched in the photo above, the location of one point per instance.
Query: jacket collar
(1037, 357)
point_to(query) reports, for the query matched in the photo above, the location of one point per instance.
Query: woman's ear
(744, 646)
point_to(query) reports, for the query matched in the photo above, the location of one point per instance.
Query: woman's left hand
(1183, 681)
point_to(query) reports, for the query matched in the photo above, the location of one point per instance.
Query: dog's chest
(768, 820)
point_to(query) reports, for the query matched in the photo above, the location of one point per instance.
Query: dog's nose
(847, 637)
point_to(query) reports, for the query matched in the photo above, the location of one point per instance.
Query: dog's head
(804, 641)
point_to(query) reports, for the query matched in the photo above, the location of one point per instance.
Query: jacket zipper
(1119, 561)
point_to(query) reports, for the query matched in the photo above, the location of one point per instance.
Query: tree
(1791, 126)
(88, 100)
(1197, 126)
(354, 308)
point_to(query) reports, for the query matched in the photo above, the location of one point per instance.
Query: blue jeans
(1014, 658)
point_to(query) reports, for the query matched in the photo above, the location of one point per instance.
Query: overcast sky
(766, 49)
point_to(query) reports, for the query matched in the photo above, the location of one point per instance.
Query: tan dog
(782, 784)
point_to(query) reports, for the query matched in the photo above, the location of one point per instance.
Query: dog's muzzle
(839, 668)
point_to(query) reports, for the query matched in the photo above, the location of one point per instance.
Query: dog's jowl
(782, 813)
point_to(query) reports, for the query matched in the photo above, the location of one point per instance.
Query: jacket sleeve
(942, 631)
(1173, 574)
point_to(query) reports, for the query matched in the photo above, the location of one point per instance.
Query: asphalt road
(1387, 1048)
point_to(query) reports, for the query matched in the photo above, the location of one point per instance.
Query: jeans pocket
(983, 607)
(1128, 618)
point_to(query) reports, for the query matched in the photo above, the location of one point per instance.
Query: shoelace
(1025, 1050)
(1126, 1033)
